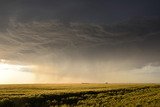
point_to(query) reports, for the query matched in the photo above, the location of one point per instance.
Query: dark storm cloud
(77, 38)
(99, 11)
(138, 38)
(78, 49)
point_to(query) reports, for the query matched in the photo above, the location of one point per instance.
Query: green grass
(83, 95)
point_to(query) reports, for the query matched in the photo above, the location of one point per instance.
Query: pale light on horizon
(14, 74)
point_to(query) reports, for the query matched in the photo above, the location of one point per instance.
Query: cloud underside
(78, 49)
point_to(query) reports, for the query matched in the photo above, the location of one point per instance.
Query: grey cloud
(102, 11)
(79, 50)
(56, 37)
(78, 38)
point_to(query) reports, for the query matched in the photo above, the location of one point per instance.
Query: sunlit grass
(47, 95)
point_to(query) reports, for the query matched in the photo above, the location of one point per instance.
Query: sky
(78, 41)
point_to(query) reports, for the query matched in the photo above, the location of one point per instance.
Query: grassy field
(82, 95)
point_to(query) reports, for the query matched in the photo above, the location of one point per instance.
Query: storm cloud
(78, 49)
(76, 41)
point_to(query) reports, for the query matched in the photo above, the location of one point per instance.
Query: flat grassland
(83, 95)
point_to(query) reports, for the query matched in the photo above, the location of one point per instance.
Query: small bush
(6, 103)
